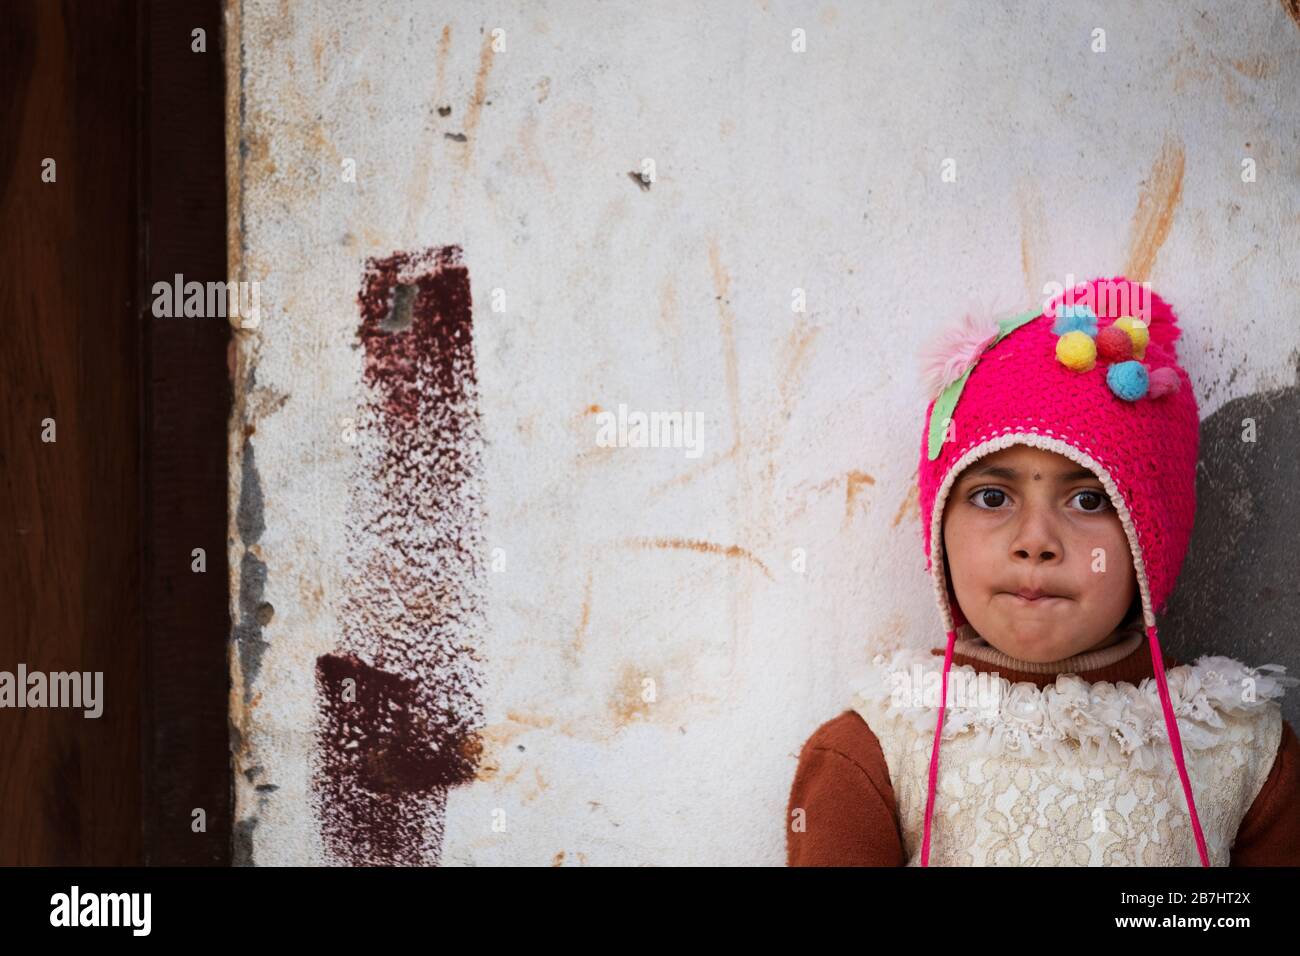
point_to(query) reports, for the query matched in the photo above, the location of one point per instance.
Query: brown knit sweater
(851, 819)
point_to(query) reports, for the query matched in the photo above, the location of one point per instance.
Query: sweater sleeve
(842, 810)
(1269, 834)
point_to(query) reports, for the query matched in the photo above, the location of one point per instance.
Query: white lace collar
(1073, 718)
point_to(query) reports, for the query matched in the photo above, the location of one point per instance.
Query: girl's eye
(1101, 498)
(1093, 501)
(981, 495)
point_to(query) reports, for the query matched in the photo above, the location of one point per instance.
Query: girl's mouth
(1038, 600)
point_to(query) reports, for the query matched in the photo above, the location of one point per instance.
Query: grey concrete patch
(243, 842)
(252, 574)
(1239, 592)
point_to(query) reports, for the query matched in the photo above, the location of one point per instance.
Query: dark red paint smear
(385, 760)
(437, 342)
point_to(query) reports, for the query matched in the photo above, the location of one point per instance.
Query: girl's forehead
(1019, 462)
(1025, 456)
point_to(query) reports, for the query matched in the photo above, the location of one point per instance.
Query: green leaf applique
(946, 403)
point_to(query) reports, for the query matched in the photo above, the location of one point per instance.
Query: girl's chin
(1036, 655)
(1030, 646)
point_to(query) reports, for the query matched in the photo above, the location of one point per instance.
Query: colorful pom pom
(1137, 331)
(1077, 351)
(1114, 345)
(1128, 380)
(1164, 381)
(1075, 318)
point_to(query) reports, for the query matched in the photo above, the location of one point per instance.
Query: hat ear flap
(958, 619)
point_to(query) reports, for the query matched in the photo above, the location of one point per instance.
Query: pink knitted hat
(1094, 376)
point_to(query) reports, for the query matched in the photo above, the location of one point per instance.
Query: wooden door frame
(100, 525)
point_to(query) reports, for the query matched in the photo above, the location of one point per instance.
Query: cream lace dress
(1075, 773)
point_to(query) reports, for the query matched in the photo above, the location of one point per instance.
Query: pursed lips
(1026, 596)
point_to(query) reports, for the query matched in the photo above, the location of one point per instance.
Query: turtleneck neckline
(1128, 660)
(981, 649)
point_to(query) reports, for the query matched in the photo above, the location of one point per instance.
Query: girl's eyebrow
(1011, 474)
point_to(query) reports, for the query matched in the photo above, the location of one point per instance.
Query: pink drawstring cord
(934, 751)
(1171, 725)
(1176, 742)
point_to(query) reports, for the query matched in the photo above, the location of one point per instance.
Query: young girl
(1057, 488)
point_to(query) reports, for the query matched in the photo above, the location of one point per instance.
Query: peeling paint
(252, 573)
(243, 842)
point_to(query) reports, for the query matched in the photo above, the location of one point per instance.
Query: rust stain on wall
(857, 480)
(629, 701)
(1157, 201)
(596, 455)
(678, 481)
(911, 504)
(418, 187)
(1292, 8)
(797, 354)
(702, 547)
(475, 110)
(444, 48)
(1033, 236)
(530, 153)
(1259, 67)
(398, 703)
(670, 325)
(558, 860)
(534, 792)
(669, 321)
(727, 322)
(585, 615)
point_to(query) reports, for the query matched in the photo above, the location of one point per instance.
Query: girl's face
(1028, 519)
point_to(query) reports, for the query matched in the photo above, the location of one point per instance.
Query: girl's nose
(1036, 538)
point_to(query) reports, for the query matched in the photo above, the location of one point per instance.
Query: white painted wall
(775, 171)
